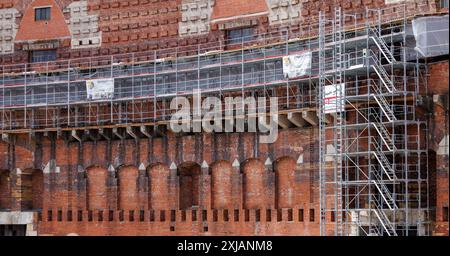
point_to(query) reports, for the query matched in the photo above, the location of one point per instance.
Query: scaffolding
(377, 183)
(372, 148)
(51, 95)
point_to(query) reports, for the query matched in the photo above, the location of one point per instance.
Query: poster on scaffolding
(297, 65)
(98, 89)
(330, 99)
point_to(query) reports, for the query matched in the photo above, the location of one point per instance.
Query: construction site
(362, 98)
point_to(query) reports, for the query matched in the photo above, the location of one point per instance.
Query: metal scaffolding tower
(373, 168)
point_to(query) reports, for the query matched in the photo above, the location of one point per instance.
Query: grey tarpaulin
(431, 35)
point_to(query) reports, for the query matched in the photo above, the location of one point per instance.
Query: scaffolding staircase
(382, 217)
(375, 34)
(384, 191)
(381, 129)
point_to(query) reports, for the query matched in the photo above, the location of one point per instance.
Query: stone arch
(253, 184)
(96, 189)
(189, 177)
(285, 182)
(32, 185)
(221, 185)
(5, 190)
(159, 175)
(128, 188)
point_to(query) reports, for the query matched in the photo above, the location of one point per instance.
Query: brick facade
(203, 184)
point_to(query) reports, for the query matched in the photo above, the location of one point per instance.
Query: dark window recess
(247, 215)
(279, 215)
(290, 215)
(121, 215)
(69, 215)
(333, 216)
(162, 215)
(445, 214)
(152, 215)
(236, 215)
(215, 215)
(89, 215)
(42, 13)
(204, 215)
(236, 36)
(225, 215)
(311, 215)
(59, 216)
(268, 215)
(131, 216)
(141, 215)
(183, 215)
(111, 215)
(80, 215)
(43, 56)
(194, 215)
(49, 215)
(258, 215)
(300, 215)
(172, 215)
(100, 215)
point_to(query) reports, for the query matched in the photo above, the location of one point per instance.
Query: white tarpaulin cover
(297, 65)
(330, 99)
(431, 35)
(100, 89)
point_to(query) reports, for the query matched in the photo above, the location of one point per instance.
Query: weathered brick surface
(88, 184)
(136, 26)
(439, 127)
(212, 184)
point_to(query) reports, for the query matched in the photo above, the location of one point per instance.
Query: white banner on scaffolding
(330, 98)
(297, 65)
(100, 89)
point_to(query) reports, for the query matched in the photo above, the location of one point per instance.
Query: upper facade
(45, 30)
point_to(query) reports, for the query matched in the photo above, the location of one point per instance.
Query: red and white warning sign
(334, 101)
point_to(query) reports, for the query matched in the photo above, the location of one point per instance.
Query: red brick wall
(234, 8)
(143, 25)
(439, 127)
(250, 189)
(5, 190)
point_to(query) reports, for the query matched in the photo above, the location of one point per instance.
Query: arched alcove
(32, 183)
(189, 174)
